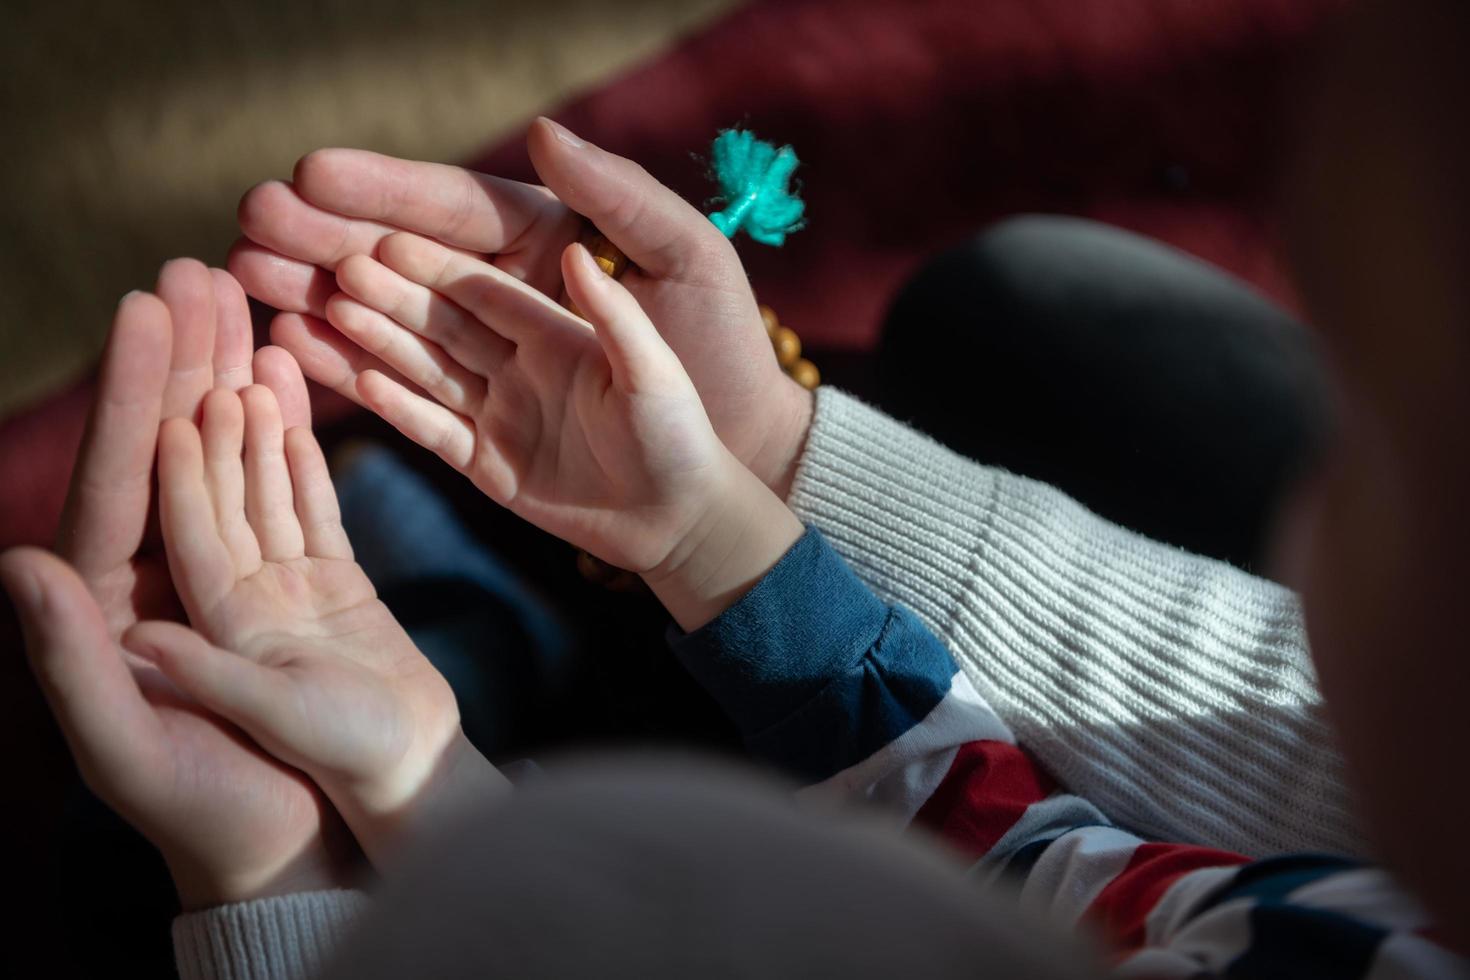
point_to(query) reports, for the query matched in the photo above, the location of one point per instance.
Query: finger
(421, 361)
(327, 357)
(112, 732)
(498, 300)
(460, 335)
(187, 288)
(456, 206)
(198, 559)
(272, 214)
(107, 504)
(663, 234)
(316, 498)
(251, 695)
(638, 356)
(223, 437)
(276, 369)
(234, 342)
(279, 281)
(432, 426)
(268, 501)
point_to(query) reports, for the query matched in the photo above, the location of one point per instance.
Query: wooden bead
(805, 373)
(610, 577)
(787, 345)
(595, 570)
(609, 258)
(626, 581)
(768, 316)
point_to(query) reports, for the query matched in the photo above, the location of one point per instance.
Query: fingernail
(584, 256)
(564, 134)
(143, 650)
(129, 295)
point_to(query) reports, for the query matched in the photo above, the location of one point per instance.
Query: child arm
(861, 701)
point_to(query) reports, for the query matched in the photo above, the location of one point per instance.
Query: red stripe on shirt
(987, 789)
(1122, 907)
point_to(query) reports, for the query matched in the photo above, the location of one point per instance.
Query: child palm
(594, 435)
(292, 644)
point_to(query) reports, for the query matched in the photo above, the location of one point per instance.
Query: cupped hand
(231, 822)
(164, 352)
(290, 640)
(686, 276)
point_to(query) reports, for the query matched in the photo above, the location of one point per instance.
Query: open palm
(231, 821)
(594, 436)
(292, 642)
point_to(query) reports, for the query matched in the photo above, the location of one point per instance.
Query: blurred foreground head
(667, 867)
(1379, 205)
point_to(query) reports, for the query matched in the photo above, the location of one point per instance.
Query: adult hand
(686, 275)
(231, 822)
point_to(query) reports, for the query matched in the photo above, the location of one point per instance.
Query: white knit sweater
(287, 937)
(1174, 692)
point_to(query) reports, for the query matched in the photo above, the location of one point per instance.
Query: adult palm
(231, 822)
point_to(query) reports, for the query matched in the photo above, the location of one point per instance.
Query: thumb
(640, 360)
(233, 687)
(90, 689)
(663, 234)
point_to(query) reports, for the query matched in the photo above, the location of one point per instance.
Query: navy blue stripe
(1290, 942)
(1272, 879)
(1023, 859)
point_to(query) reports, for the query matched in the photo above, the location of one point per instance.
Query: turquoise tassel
(753, 177)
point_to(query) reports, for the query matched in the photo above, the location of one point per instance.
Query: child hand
(292, 643)
(595, 435)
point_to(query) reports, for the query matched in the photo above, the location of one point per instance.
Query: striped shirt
(862, 701)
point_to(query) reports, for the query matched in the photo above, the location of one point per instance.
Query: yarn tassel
(754, 176)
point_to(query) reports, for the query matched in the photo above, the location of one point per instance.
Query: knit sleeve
(287, 937)
(1173, 691)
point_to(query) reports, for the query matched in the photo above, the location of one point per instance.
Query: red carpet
(917, 123)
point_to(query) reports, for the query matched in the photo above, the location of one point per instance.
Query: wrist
(776, 459)
(741, 532)
(386, 814)
(317, 868)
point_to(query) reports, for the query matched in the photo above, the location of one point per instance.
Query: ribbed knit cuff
(287, 937)
(1175, 692)
(887, 499)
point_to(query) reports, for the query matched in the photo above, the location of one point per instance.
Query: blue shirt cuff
(816, 671)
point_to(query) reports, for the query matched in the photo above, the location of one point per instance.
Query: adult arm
(1173, 691)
